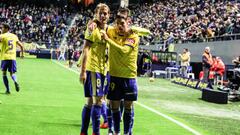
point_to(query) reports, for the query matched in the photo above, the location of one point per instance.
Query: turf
(51, 99)
(50, 103)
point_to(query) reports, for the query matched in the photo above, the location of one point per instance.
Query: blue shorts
(106, 84)
(123, 88)
(95, 84)
(10, 65)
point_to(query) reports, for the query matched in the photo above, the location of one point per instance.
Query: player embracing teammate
(94, 68)
(121, 41)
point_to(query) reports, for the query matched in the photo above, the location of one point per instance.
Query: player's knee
(4, 73)
(97, 100)
(128, 105)
(114, 105)
(88, 106)
(89, 102)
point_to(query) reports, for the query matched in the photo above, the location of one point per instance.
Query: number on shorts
(98, 82)
(10, 44)
(112, 86)
(105, 82)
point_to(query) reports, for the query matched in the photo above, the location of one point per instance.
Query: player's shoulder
(133, 35)
(133, 38)
(11, 35)
(110, 28)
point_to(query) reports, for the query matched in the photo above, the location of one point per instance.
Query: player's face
(103, 15)
(122, 25)
(4, 30)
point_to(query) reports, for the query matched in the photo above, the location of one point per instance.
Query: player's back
(9, 46)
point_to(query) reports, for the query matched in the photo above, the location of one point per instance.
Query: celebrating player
(123, 50)
(9, 42)
(93, 70)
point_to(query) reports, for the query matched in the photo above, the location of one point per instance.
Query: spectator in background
(185, 59)
(70, 53)
(183, 21)
(62, 52)
(218, 66)
(206, 64)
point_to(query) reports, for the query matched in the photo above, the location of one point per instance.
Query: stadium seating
(169, 21)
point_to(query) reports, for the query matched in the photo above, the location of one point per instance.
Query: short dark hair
(124, 10)
(6, 26)
(123, 13)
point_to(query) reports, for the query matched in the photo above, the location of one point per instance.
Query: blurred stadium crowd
(172, 21)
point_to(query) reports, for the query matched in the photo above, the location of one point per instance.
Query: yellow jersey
(97, 58)
(122, 64)
(8, 46)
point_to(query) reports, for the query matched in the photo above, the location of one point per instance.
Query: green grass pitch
(51, 99)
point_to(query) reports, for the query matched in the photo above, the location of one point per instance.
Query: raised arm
(140, 31)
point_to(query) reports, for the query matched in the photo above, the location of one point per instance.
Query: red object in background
(154, 58)
(218, 66)
(88, 2)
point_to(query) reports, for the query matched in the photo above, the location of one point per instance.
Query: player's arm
(140, 31)
(21, 47)
(123, 49)
(79, 62)
(86, 48)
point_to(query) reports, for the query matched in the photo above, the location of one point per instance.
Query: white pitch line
(148, 108)
(169, 118)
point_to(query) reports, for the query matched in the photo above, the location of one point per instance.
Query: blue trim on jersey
(129, 45)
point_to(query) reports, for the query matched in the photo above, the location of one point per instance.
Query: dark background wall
(227, 50)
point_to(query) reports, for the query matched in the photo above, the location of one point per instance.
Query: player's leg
(121, 107)
(4, 67)
(115, 94)
(108, 109)
(86, 111)
(104, 114)
(96, 114)
(63, 57)
(127, 116)
(109, 118)
(97, 81)
(130, 92)
(5, 81)
(13, 70)
(132, 121)
(116, 115)
(86, 114)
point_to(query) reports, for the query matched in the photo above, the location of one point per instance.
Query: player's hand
(104, 35)
(92, 25)
(83, 77)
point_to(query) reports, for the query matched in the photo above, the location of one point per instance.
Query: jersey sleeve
(89, 34)
(140, 31)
